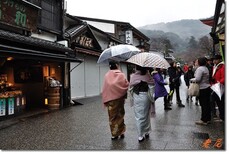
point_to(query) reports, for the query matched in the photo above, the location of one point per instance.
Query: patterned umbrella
(119, 52)
(146, 59)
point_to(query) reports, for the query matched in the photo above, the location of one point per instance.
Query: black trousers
(166, 101)
(204, 99)
(220, 104)
(172, 88)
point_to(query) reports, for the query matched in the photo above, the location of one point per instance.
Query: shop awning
(22, 53)
(34, 48)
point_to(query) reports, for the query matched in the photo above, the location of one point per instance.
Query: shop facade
(34, 66)
(122, 31)
(88, 42)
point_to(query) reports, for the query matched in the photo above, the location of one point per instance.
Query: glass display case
(12, 100)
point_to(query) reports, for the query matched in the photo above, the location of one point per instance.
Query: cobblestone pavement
(85, 127)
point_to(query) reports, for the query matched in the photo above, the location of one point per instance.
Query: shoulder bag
(193, 89)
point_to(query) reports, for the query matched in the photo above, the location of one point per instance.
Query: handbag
(193, 89)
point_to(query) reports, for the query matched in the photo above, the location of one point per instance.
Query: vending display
(10, 106)
(2, 106)
(12, 100)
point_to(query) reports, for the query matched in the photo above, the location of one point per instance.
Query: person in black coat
(187, 76)
(174, 83)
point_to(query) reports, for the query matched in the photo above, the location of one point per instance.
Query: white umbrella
(218, 89)
(119, 52)
(146, 59)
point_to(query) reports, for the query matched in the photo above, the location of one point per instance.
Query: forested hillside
(189, 39)
(183, 28)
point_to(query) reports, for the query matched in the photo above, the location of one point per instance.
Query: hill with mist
(183, 28)
(178, 33)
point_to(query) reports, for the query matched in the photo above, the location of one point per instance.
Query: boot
(169, 100)
(167, 108)
(180, 104)
(191, 99)
(167, 105)
(187, 99)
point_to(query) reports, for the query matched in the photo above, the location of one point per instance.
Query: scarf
(215, 68)
(115, 85)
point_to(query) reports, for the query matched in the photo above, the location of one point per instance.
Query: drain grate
(201, 135)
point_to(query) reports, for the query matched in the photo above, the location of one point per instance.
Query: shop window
(28, 74)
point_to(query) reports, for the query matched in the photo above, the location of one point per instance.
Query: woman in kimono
(139, 85)
(114, 93)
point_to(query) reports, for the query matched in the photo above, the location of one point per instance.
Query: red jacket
(219, 74)
(185, 68)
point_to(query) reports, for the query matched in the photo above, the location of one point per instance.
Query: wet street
(85, 127)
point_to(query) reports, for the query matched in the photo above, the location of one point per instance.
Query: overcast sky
(142, 12)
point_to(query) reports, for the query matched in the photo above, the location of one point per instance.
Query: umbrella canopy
(119, 52)
(146, 59)
(218, 89)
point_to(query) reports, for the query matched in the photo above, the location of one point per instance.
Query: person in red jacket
(218, 75)
(185, 67)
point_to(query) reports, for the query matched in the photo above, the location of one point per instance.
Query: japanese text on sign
(14, 12)
(129, 37)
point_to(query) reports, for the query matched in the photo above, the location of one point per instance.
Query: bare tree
(206, 44)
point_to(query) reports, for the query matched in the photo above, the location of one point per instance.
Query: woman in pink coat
(114, 93)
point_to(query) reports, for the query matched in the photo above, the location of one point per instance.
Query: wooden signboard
(18, 13)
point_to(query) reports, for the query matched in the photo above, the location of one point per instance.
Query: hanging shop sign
(84, 41)
(16, 13)
(129, 37)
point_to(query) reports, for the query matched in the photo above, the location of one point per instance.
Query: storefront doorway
(25, 85)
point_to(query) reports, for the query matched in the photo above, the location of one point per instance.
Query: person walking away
(218, 75)
(114, 93)
(187, 76)
(202, 78)
(160, 90)
(139, 82)
(174, 83)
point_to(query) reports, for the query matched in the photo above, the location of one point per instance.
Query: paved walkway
(85, 127)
